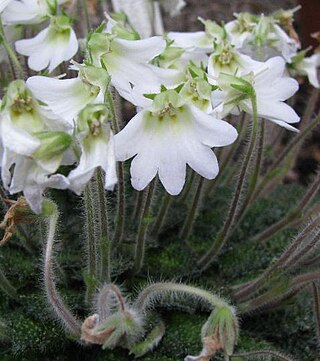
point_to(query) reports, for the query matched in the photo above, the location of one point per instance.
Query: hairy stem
(223, 235)
(103, 300)
(275, 169)
(292, 215)
(155, 291)
(6, 286)
(91, 243)
(14, 61)
(254, 177)
(54, 299)
(121, 197)
(193, 210)
(316, 305)
(247, 290)
(161, 216)
(262, 353)
(143, 227)
(105, 249)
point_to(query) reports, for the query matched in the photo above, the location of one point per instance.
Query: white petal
(309, 66)
(111, 178)
(269, 71)
(128, 140)
(37, 49)
(25, 12)
(92, 157)
(281, 89)
(213, 132)
(277, 111)
(7, 160)
(143, 169)
(16, 139)
(63, 50)
(142, 51)
(203, 161)
(4, 4)
(65, 97)
(172, 165)
(191, 41)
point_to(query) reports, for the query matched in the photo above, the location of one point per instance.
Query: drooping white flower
(306, 66)
(52, 46)
(97, 148)
(32, 180)
(127, 61)
(271, 89)
(32, 150)
(167, 136)
(27, 11)
(67, 97)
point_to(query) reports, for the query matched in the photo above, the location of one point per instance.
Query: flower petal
(65, 97)
(213, 132)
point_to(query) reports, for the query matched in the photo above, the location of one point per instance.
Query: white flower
(97, 148)
(300, 65)
(271, 89)
(52, 46)
(4, 4)
(32, 180)
(167, 136)
(286, 46)
(26, 12)
(67, 97)
(35, 149)
(127, 61)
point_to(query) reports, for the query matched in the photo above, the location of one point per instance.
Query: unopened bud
(52, 145)
(223, 326)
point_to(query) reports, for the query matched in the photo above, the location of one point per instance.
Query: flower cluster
(184, 86)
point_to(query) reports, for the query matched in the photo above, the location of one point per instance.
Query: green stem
(229, 157)
(6, 286)
(143, 227)
(262, 354)
(193, 210)
(121, 207)
(161, 216)
(187, 189)
(155, 291)
(316, 304)
(54, 299)
(275, 169)
(254, 177)
(11, 54)
(91, 244)
(223, 235)
(105, 249)
(121, 196)
(86, 16)
(250, 288)
(291, 216)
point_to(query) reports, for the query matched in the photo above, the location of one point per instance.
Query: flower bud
(223, 326)
(53, 144)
